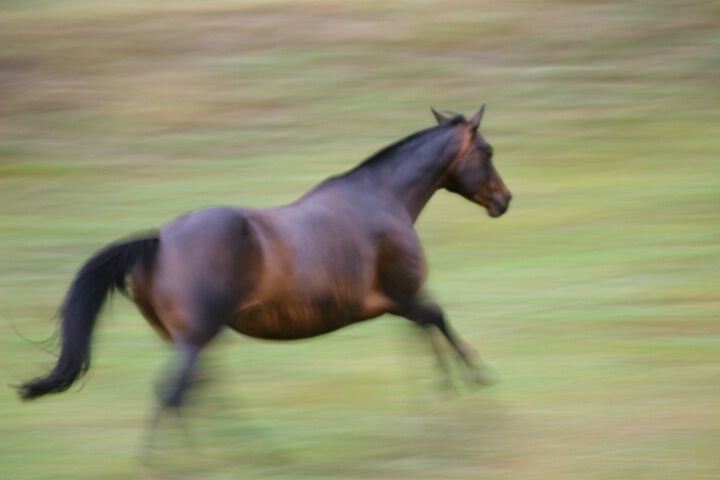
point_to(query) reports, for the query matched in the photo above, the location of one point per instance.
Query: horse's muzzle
(500, 204)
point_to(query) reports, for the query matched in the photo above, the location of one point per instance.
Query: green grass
(595, 298)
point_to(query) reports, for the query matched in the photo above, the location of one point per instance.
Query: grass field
(595, 298)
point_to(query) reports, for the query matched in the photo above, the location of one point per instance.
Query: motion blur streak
(594, 298)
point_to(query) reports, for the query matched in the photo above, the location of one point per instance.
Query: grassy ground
(595, 298)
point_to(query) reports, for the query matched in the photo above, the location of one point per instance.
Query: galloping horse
(344, 252)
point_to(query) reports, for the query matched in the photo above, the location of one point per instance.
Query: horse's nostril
(508, 196)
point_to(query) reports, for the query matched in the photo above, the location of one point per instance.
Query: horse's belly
(292, 320)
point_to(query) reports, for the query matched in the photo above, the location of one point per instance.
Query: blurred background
(595, 298)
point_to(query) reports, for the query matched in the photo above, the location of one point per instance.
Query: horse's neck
(413, 179)
(405, 180)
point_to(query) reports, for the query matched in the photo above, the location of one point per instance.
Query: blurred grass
(595, 298)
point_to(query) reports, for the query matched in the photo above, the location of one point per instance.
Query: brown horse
(343, 253)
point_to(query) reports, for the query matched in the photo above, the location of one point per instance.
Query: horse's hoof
(483, 376)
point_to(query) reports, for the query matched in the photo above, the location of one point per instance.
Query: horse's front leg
(429, 315)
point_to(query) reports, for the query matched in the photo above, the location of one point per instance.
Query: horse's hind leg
(429, 315)
(172, 392)
(171, 395)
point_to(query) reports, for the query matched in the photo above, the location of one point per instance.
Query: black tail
(104, 273)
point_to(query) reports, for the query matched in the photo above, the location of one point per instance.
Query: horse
(344, 252)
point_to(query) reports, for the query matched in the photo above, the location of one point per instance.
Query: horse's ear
(441, 119)
(474, 122)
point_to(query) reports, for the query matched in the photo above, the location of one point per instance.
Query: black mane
(391, 149)
(389, 152)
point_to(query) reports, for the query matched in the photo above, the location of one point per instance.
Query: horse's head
(471, 172)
